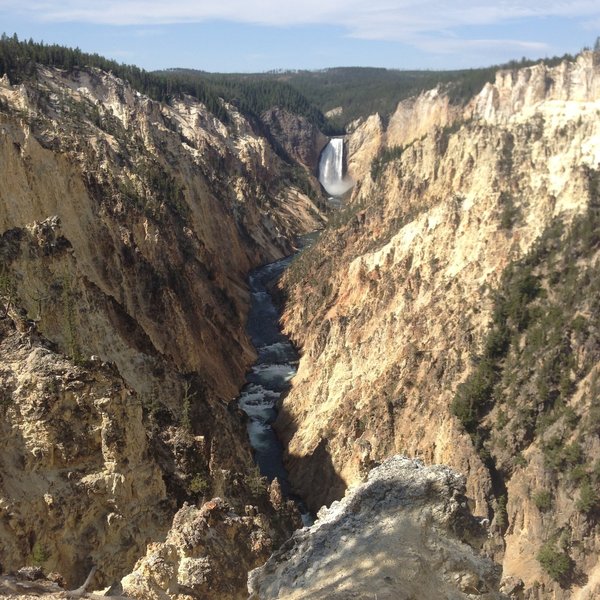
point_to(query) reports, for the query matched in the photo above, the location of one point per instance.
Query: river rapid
(269, 377)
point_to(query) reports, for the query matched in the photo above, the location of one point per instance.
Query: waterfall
(331, 168)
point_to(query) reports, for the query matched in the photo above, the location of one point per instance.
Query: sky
(262, 35)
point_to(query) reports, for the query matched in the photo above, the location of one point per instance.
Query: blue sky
(259, 35)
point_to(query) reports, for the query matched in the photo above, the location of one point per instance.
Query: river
(277, 360)
(269, 377)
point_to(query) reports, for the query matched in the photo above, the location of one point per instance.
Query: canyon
(406, 311)
(447, 312)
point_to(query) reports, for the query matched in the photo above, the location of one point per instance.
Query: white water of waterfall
(331, 169)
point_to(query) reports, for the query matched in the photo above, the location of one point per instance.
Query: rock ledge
(404, 533)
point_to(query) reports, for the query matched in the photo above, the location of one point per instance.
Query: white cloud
(427, 24)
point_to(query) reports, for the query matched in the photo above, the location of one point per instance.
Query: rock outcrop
(404, 533)
(394, 307)
(207, 554)
(78, 479)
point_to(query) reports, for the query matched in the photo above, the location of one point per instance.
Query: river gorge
(423, 376)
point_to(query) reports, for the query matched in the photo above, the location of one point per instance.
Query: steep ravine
(398, 303)
(270, 375)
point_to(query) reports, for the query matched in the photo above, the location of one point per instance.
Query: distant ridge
(363, 91)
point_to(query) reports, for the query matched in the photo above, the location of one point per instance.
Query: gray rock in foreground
(405, 533)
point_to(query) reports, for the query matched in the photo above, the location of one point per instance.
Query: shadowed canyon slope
(450, 312)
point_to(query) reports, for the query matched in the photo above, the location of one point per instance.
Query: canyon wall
(127, 229)
(299, 138)
(438, 315)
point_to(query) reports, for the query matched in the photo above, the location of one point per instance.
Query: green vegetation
(186, 407)
(500, 514)
(588, 498)
(199, 484)
(556, 563)
(543, 500)
(579, 474)
(505, 160)
(257, 484)
(18, 59)
(39, 554)
(558, 456)
(251, 96)
(509, 213)
(519, 460)
(344, 215)
(475, 394)
(161, 189)
(385, 156)
(300, 267)
(538, 301)
(8, 290)
(539, 347)
(363, 91)
(444, 134)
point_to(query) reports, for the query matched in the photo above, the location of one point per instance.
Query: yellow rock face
(390, 306)
(127, 228)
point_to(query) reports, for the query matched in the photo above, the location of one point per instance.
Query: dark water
(269, 377)
(270, 374)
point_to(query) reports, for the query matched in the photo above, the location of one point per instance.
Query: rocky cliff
(301, 139)
(127, 229)
(378, 539)
(438, 316)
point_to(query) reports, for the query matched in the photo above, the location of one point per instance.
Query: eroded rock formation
(207, 554)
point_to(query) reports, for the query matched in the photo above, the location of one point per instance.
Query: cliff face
(127, 229)
(77, 475)
(297, 135)
(397, 304)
